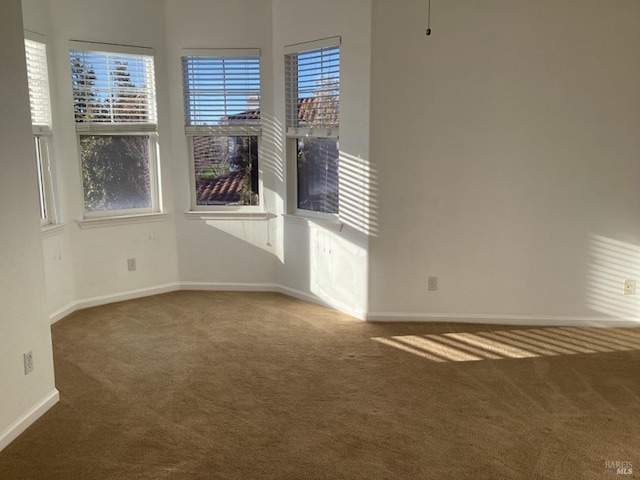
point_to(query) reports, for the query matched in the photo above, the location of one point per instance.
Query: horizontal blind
(112, 88)
(313, 88)
(38, 80)
(221, 90)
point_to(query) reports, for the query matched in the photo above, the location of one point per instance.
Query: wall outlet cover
(28, 362)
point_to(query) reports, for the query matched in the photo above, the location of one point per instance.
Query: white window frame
(192, 131)
(293, 133)
(43, 143)
(42, 136)
(149, 129)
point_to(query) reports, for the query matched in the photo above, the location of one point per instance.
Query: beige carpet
(198, 385)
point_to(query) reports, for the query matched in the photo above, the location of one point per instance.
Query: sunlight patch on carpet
(514, 344)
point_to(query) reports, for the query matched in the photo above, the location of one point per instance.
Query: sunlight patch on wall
(337, 269)
(271, 151)
(515, 344)
(612, 262)
(358, 193)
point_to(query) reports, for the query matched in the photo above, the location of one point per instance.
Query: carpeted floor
(201, 385)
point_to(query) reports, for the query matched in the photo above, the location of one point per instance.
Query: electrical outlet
(432, 283)
(629, 287)
(131, 264)
(28, 362)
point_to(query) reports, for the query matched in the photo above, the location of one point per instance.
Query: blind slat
(221, 90)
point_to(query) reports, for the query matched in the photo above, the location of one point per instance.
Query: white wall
(58, 258)
(506, 150)
(222, 253)
(98, 256)
(23, 318)
(319, 262)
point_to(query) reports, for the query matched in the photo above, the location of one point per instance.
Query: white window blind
(113, 88)
(313, 88)
(221, 90)
(38, 80)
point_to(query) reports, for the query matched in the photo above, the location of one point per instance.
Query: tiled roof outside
(321, 112)
(246, 116)
(222, 190)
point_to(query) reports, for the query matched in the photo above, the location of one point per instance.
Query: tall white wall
(222, 253)
(58, 260)
(325, 263)
(98, 255)
(506, 150)
(23, 318)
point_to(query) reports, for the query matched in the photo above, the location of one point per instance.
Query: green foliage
(209, 172)
(86, 105)
(115, 172)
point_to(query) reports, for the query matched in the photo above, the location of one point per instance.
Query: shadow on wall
(612, 262)
(514, 344)
(256, 234)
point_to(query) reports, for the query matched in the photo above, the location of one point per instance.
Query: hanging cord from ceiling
(429, 17)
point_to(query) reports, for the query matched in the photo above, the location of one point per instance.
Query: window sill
(52, 229)
(330, 224)
(220, 215)
(121, 220)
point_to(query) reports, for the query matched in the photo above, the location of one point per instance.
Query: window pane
(38, 81)
(318, 175)
(226, 170)
(112, 87)
(313, 88)
(41, 182)
(115, 172)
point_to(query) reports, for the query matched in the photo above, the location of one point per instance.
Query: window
(313, 107)
(222, 124)
(39, 99)
(114, 103)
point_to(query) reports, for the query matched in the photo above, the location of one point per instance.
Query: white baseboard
(532, 320)
(62, 312)
(229, 287)
(202, 286)
(28, 419)
(272, 287)
(111, 298)
(526, 320)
